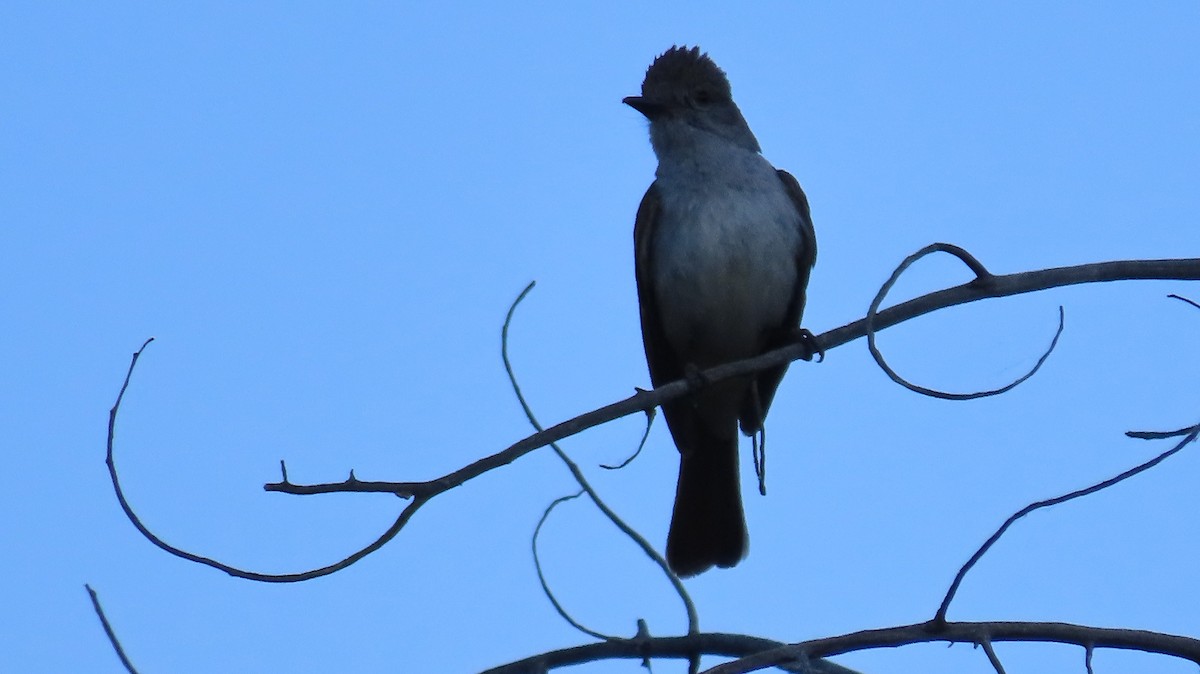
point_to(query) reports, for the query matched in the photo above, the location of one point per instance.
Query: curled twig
(982, 278)
(692, 617)
(650, 414)
(537, 564)
(231, 570)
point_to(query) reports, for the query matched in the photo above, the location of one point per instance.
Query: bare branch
(108, 630)
(681, 648)
(984, 287)
(756, 654)
(1187, 269)
(1184, 648)
(1005, 285)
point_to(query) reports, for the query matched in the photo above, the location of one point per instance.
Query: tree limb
(983, 287)
(682, 648)
(989, 287)
(1084, 636)
(757, 654)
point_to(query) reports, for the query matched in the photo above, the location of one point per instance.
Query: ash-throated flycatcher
(724, 245)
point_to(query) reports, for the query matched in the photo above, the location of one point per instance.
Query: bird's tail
(707, 525)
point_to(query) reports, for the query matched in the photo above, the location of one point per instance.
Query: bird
(724, 246)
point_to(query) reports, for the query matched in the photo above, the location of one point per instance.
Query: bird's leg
(758, 445)
(758, 442)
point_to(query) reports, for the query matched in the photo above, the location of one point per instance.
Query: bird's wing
(806, 254)
(754, 410)
(665, 365)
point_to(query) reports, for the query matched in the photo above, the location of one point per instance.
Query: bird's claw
(809, 340)
(694, 376)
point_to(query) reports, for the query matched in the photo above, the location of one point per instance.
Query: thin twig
(1181, 298)
(650, 414)
(692, 616)
(940, 617)
(991, 655)
(1161, 435)
(112, 636)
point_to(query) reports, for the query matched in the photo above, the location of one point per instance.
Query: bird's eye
(702, 97)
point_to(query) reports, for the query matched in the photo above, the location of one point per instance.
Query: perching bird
(724, 245)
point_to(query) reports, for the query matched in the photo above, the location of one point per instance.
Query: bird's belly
(725, 276)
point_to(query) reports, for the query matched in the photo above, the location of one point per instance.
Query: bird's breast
(725, 267)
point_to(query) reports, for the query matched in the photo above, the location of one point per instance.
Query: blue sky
(322, 213)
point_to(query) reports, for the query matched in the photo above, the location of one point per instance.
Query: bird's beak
(647, 107)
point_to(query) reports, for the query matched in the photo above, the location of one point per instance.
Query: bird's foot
(812, 345)
(695, 377)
